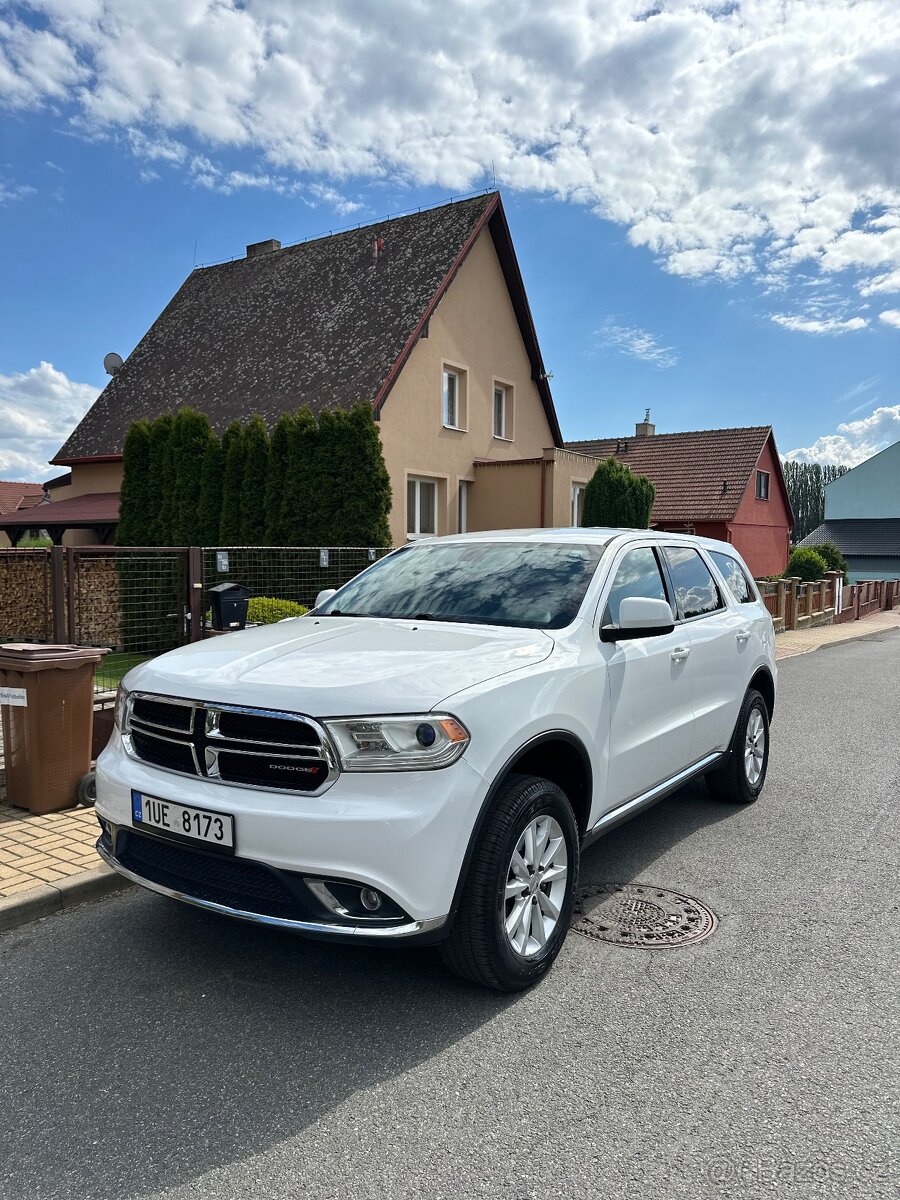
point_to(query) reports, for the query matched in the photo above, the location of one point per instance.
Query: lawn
(112, 667)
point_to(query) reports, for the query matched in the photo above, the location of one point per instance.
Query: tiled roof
(689, 469)
(12, 495)
(322, 324)
(869, 537)
(95, 508)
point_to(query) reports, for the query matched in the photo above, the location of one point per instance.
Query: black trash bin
(229, 605)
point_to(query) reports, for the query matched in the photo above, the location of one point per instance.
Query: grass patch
(112, 667)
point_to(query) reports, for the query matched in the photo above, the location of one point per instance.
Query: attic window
(453, 398)
(762, 485)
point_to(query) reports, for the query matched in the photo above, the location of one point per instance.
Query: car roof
(591, 535)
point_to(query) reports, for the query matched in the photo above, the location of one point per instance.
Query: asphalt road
(148, 1049)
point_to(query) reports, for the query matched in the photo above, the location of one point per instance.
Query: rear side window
(738, 583)
(637, 575)
(695, 588)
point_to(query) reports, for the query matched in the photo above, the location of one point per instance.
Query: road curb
(49, 898)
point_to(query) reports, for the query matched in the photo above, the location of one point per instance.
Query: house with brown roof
(423, 316)
(16, 499)
(719, 483)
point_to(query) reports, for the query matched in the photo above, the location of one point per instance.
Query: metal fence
(141, 601)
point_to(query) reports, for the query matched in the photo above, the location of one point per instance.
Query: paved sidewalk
(801, 641)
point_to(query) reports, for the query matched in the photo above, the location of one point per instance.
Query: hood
(341, 666)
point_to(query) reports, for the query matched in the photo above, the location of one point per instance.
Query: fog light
(370, 899)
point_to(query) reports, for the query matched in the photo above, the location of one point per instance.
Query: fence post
(834, 578)
(71, 616)
(780, 602)
(58, 593)
(792, 583)
(195, 592)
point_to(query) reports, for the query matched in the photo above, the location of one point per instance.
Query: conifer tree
(232, 484)
(618, 498)
(253, 488)
(301, 500)
(191, 435)
(135, 518)
(276, 478)
(210, 505)
(159, 484)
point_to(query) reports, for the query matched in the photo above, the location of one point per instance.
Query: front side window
(578, 490)
(762, 485)
(638, 574)
(521, 584)
(421, 507)
(733, 574)
(695, 588)
(451, 399)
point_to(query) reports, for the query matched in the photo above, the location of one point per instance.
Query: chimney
(256, 248)
(645, 428)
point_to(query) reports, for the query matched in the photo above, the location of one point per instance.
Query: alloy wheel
(754, 747)
(535, 886)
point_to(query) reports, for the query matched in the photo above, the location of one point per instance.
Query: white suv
(424, 756)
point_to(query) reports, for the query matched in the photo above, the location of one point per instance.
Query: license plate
(182, 820)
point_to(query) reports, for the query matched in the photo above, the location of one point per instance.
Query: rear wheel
(743, 775)
(517, 897)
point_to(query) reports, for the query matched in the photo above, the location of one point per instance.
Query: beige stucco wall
(88, 478)
(563, 470)
(506, 497)
(473, 330)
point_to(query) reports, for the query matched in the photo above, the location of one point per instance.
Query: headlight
(121, 704)
(398, 743)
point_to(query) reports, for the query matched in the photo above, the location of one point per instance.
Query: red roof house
(719, 483)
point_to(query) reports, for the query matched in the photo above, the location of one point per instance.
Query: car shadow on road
(164, 1042)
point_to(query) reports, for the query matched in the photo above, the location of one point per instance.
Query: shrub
(135, 517)
(834, 560)
(210, 506)
(191, 435)
(806, 564)
(618, 498)
(232, 483)
(277, 531)
(252, 528)
(34, 543)
(266, 610)
(159, 484)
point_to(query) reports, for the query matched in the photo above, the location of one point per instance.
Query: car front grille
(235, 882)
(247, 747)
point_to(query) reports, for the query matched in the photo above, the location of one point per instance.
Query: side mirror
(324, 596)
(639, 617)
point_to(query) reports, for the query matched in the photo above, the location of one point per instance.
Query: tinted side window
(637, 575)
(737, 581)
(695, 588)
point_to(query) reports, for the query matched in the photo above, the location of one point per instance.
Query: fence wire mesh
(296, 573)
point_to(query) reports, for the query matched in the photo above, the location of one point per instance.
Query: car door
(649, 687)
(716, 631)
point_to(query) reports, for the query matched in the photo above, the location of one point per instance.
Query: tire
(498, 885)
(87, 789)
(743, 775)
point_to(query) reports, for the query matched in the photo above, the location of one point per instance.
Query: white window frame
(578, 489)
(462, 505)
(506, 433)
(459, 374)
(416, 522)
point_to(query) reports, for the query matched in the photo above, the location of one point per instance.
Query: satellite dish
(112, 362)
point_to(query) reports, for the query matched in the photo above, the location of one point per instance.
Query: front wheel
(517, 897)
(741, 779)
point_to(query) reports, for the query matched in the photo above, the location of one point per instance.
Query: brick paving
(36, 850)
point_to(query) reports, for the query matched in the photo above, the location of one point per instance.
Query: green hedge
(266, 610)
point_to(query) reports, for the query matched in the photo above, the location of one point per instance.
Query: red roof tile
(96, 508)
(12, 495)
(689, 469)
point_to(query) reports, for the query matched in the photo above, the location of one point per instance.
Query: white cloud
(819, 325)
(890, 316)
(38, 410)
(727, 138)
(14, 191)
(854, 441)
(636, 343)
(889, 282)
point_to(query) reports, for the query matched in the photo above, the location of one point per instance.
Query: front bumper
(404, 834)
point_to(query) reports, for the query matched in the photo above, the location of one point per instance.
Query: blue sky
(705, 198)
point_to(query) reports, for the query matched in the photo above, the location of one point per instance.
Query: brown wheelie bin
(47, 702)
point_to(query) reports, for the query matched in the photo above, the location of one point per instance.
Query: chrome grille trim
(205, 716)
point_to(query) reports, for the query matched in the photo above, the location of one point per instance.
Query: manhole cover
(636, 914)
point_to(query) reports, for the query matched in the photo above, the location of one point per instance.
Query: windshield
(524, 584)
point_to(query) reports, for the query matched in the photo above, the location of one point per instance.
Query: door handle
(742, 635)
(680, 653)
